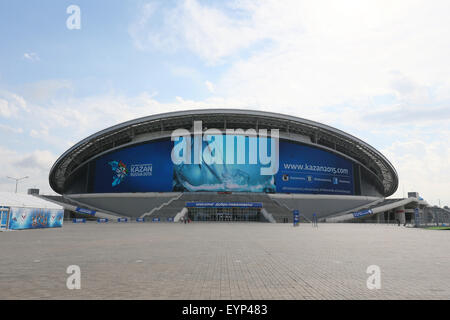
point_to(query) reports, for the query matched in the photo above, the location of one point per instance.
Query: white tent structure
(9, 199)
(23, 211)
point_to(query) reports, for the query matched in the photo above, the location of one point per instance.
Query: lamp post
(17, 180)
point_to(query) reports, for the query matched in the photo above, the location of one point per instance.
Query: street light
(17, 180)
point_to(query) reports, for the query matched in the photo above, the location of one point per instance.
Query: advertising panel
(85, 211)
(32, 218)
(362, 213)
(231, 164)
(305, 169)
(4, 212)
(296, 219)
(223, 164)
(142, 168)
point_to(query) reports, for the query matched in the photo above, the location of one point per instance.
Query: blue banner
(4, 212)
(102, 220)
(32, 218)
(139, 219)
(79, 220)
(416, 217)
(304, 169)
(86, 211)
(362, 213)
(122, 219)
(237, 169)
(224, 204)
(149, 167)
(296, 218)
(142, 168)
(156, 220)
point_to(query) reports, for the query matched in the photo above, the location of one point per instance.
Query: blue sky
(376, 69)
(98, 58)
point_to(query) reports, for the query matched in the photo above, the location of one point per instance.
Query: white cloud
(10, 129)
(31, 56)
(35, 164)
(11, 104)
(45, 90)
(210, 86)
(5, 110)
(423, 165)
(319, 53)
(205, 30)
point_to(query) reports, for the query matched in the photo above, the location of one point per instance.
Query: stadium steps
(128, 206)
(280, 213)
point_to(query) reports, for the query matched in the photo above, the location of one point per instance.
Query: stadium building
(227, 165)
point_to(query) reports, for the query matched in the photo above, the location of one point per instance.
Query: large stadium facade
(129, 170)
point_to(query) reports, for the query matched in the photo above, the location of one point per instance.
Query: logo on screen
(120, 171)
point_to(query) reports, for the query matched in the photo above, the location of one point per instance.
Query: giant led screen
(223, 163)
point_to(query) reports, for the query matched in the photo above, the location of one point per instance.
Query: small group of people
(185, 220)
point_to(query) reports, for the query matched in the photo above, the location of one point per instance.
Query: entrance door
(224, 214)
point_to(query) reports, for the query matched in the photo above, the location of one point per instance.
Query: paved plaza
(225, 261)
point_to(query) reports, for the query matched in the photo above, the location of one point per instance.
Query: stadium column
(379, 217)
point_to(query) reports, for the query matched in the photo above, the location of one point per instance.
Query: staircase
(280, 213)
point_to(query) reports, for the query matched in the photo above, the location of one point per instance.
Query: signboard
(102, 220)
(79, 220)
(139, 219)
(85, 211)
(149, 167)
(4, 212)
(224, 204)
(143, 168)
(236, 167)
(305, 169)
(362, 213)
(169, 219)
(122, 219)
(33, 218)
(416, 216)
(156, 220)
(296, 219)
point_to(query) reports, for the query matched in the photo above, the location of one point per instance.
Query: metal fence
(433, 217)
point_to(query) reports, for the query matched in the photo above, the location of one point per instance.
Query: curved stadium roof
(320, 135)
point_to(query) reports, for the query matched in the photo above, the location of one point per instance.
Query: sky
(378, 70)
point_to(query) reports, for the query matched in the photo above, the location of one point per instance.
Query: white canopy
(9, 199)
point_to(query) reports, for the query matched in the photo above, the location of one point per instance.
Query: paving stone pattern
(225, 261)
